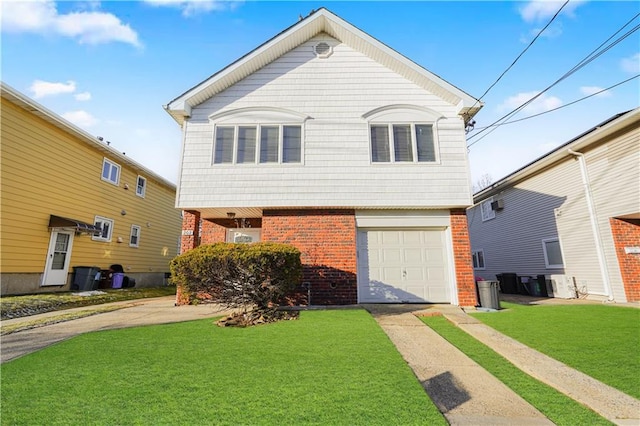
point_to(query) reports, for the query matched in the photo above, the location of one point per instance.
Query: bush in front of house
(253, 277)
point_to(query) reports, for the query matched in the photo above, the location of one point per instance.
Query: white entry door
(58, 258)
(403, 266)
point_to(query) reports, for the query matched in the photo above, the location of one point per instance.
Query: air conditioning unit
(562, 286)
(497, 205)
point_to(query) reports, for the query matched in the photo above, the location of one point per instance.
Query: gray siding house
(572, 215)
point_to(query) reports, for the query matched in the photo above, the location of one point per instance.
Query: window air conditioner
(497, 205)
(562, 286)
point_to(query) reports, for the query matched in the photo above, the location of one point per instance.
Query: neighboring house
(327, 139)
(572, 215)
(69, 200)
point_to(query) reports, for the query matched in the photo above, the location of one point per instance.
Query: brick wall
(327, 241)
(190, 230)
(462, 259)
(626, 233)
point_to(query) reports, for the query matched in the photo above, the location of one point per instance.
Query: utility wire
(522, 53)
(589, 58)
(562, 106)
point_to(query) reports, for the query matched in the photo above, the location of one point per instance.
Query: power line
(589, 58)
(560, 107)
(521, 53)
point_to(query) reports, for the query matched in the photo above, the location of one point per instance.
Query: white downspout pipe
(604, 271)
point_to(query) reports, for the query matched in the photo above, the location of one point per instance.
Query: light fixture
(231, 215)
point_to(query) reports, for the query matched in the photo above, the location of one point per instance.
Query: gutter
(604, 271)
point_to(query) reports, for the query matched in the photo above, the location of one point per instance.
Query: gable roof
(581, 142)
(318, 22)
(31, 106)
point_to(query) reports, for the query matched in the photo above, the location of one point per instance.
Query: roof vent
(322, 50)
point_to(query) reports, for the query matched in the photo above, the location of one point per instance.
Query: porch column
(462, 259)
(190, 230)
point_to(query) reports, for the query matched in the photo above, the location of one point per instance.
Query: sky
(110, 66)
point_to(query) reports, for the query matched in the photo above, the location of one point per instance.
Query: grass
(602, 341)
(23, 306)
(557, 407)
(328, 367)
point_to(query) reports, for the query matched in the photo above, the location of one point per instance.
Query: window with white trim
(478, 259)
(402, 143)
(134, 237)
(264, 144)
(110, 171)
(141, 186)
(106, 225)
(552, 253)
(487, 211)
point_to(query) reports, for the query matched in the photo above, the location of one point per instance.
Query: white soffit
(319, 22)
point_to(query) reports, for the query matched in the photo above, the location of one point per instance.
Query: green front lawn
(557, 407)
(328, 367)
(602, 341)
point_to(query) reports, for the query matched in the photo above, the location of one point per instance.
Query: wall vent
(322, 50)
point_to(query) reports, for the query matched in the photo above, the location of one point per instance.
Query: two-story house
(571, 217)
(327, 139)
(71, 202)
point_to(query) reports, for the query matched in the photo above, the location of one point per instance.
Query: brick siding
(327, 241)
(626, 233)
(462, 259)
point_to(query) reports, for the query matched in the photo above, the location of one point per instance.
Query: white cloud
(40, 88)
(193, 7)
(84, 96)
(541, 104)
(539, 10)
(80, 118)
(590, 90)
(41, 16)
(631, 64)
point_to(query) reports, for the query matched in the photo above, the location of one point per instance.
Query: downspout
(594, 223)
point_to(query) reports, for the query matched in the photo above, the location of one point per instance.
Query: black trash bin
(542, 283)
(84, 278)
(509, 282)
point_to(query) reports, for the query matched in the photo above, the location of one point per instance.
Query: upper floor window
(487, 211)
(141, 186)
(258, 144)
(106, 225)
(110, 171)
(478, 259)
(552, 254)
(134, 237)
(395, 143)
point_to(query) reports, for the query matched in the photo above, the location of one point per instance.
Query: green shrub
(239, 275)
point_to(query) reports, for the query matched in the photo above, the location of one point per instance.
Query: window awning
(73, 224)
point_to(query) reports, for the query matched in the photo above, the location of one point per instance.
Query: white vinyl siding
(110, 171)
(336, 168)
(106, 225)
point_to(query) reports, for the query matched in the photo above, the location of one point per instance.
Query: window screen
(269, 136)
(424, 142)
(291, 140)
(224, 145)
(246, 145)
(380, 144)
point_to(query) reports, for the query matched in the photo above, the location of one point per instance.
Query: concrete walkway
(464, 392)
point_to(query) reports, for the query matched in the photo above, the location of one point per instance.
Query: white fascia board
(592, 136)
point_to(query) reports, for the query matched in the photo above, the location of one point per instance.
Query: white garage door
(403, 266)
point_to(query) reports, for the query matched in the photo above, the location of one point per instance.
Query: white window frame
(486, 211)
(141, 193)
(477, 257)
(547, 264)
(258, 127)
(102, 220)
(112, 165)
(137, 236)
(414, 143)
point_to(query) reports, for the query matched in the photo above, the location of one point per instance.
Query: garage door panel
(402, 265)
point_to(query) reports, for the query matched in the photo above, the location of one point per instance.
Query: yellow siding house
(69, 201)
